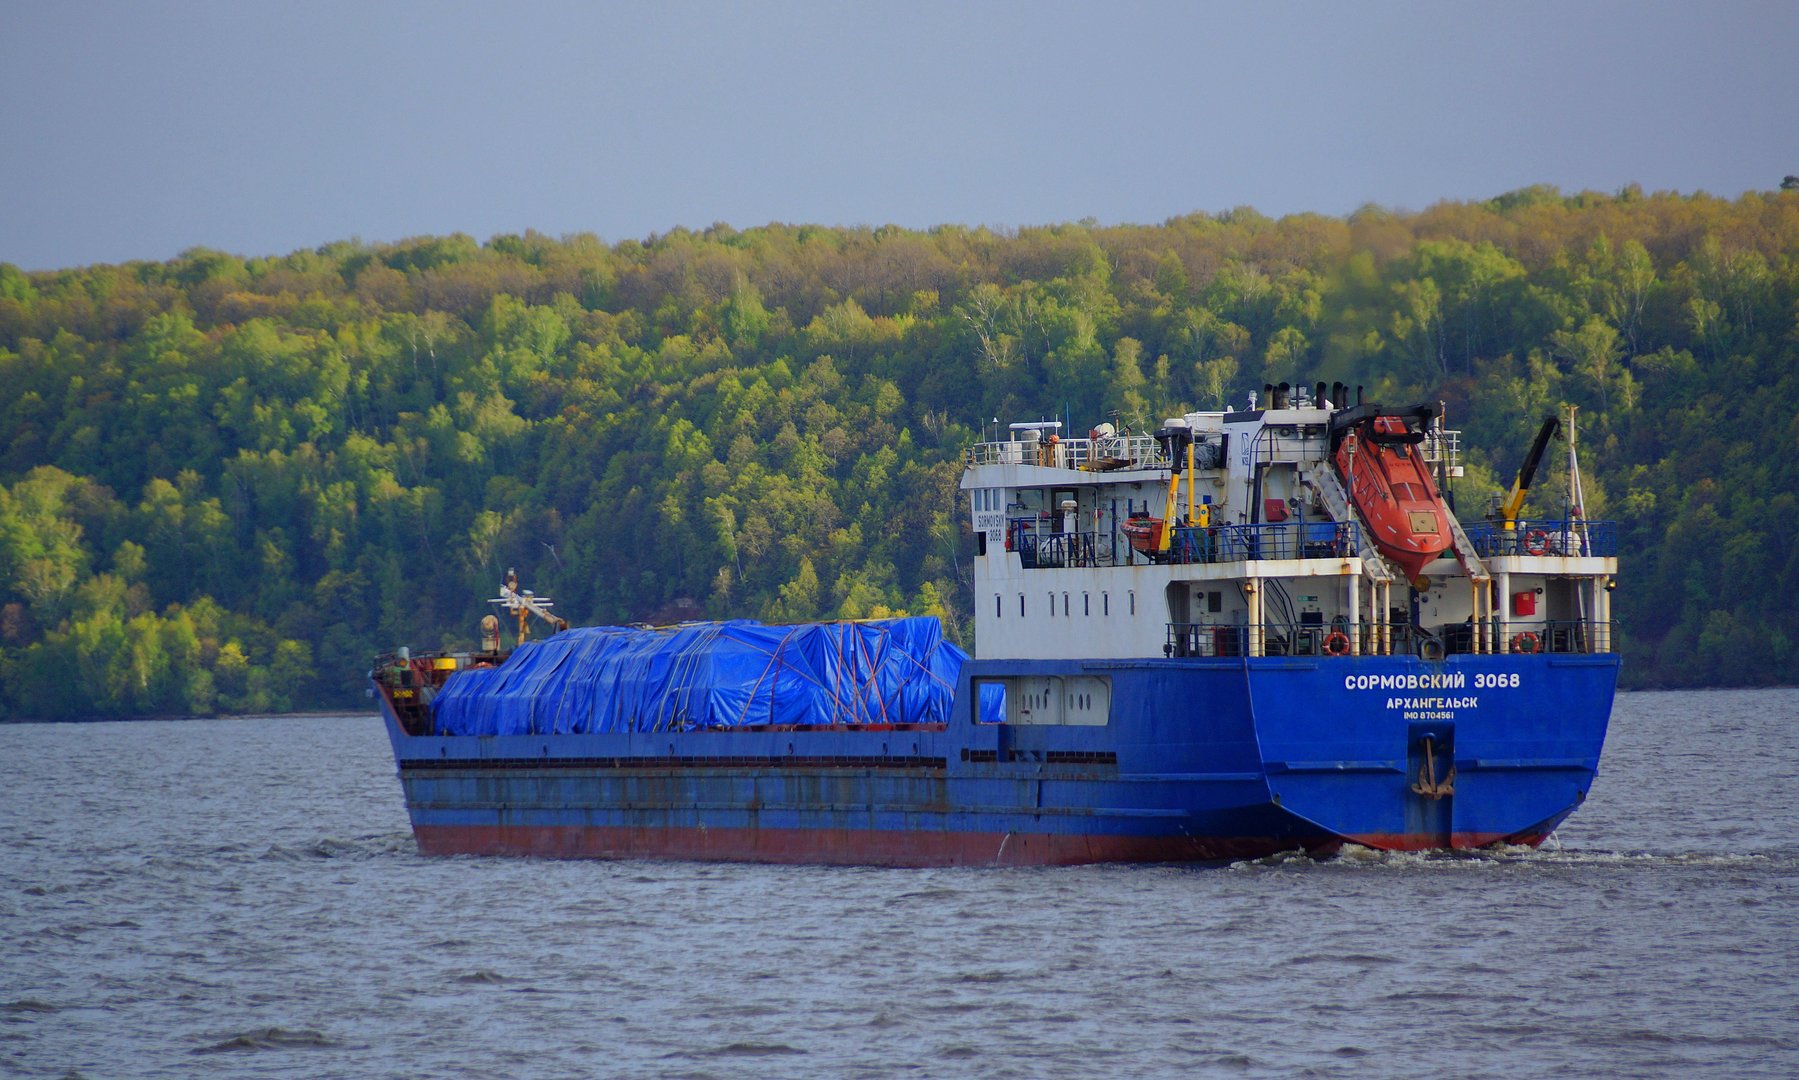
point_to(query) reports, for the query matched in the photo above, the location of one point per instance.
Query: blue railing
(1038, 549)
(1239, 543)
(1558, 536)
(1299, 540)
(1051, 549)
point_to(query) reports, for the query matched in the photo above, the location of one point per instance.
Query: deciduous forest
(226, 482)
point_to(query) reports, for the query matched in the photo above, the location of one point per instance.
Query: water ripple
(298, 930)
(273, 1038)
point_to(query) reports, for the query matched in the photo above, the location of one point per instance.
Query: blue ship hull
(1200, 759)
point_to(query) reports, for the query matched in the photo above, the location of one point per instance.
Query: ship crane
(1514, 500)
(523, 603)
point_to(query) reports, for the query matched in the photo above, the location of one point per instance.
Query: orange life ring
(1536, 542)
(1336, 643)
(1527, 642)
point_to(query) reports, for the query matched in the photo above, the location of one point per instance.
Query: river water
(242, 898)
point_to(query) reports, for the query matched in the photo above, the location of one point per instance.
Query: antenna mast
(525, 603)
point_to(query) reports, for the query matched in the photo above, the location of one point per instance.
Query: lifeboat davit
(1378, 457)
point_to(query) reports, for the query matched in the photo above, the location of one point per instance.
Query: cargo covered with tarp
(708, 675)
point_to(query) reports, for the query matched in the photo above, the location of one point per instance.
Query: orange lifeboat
(1377, 455)
(1143, 532)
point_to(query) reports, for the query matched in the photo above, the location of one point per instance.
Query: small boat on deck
(1144, 533)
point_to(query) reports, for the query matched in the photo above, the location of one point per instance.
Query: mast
(1577, 499)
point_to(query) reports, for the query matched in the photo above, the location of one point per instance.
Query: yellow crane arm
(1514, 500)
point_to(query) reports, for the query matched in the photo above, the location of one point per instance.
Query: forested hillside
(226, 482)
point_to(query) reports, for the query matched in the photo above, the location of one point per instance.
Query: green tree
(1594, 352)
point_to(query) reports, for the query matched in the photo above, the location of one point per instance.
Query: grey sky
(136, 130)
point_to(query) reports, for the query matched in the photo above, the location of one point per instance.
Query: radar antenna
(523, 603)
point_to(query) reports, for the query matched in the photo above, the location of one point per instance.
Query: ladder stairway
(1464, 551)
(1374, 565)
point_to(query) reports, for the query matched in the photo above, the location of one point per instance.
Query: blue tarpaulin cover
(992, 698)
(708, 675)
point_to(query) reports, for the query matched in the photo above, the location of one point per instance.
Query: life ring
(1336, 643)
(1536, 542)
(1527, 642)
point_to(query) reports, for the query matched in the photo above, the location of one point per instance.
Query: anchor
(1427, 784)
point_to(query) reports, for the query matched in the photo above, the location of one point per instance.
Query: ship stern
(1403, 754)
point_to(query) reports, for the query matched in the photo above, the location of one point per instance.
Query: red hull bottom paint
(1462, 841)
(848, 847)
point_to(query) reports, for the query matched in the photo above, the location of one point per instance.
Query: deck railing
(1039, 549)
(1524, 636)
(1143, 452)
(1551, 536)
(1301, 540)
(1442, 447)
(1117, 452)
(1243, 543)
(1053, 550)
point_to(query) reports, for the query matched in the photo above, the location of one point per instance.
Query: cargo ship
(1245, 632)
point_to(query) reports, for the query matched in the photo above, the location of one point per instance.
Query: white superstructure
(1267, 556)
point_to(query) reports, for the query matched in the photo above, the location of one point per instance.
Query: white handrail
(1136, 451)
